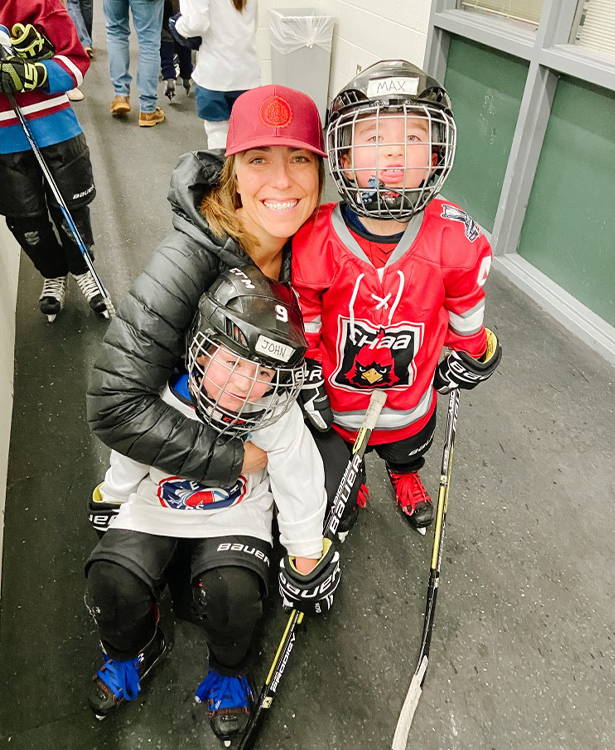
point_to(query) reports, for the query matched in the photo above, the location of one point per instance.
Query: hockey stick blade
(280, 660)
(402, 730)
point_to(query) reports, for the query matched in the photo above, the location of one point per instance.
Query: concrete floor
(523, 649)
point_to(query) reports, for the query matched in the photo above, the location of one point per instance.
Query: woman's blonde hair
(219, 206)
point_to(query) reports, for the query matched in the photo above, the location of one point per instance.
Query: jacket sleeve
(143, 344)
(65, 70)
(194, 19)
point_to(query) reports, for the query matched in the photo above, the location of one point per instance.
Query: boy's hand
(254, 459)
(460, 370)
(31, 44)
(19, 75)
(313, 398)
(311, 593)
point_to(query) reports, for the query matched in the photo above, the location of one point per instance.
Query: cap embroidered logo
(276, 112)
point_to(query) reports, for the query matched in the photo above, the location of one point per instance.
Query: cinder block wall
(365, 31)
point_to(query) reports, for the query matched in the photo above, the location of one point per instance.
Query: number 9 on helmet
(245, 352)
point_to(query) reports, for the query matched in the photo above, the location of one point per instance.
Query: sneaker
(229, 700)
(75, 95)
(149, 119)
(349, 519)
(52, 296)
(120, 106)
(169, 88)
(119, 681)
(412, 499)
(91, 292)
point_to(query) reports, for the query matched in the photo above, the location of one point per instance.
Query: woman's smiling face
(279, 189)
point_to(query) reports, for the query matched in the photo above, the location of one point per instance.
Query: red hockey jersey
(47, 110)
(385, 328)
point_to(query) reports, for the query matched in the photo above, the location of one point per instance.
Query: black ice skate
(119, 681)
(186, 85)
(169, 88)
(51, 300)
(412, 499)
(349, 519)
(230, 701)
(92, 294)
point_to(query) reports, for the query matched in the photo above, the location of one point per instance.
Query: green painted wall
(569, 228)
(486, 87)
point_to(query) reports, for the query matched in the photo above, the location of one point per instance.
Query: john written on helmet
(245, 352)
(390, 140)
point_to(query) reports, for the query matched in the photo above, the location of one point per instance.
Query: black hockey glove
(192, 42)
(311, 593)
(30, 43)
(459, 370)
(101, 513)
(19, 75)
(313, 398)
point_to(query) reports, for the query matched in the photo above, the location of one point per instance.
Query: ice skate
(169, 88)
(412, 499)
(349, 519)
(229, 701)
(92, 294)
(119, 681)
(186, 85)
(51, 300)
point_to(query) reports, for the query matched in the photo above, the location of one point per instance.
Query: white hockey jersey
(155, 503)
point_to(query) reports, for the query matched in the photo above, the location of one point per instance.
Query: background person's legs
(147, 18)
(118, 30)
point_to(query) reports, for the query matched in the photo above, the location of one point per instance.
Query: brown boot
(149, 119)
(120, 106)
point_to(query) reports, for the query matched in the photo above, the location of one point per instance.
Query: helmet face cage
(236, 394)
(394, 179)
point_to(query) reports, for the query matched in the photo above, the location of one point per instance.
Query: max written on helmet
(245, 352)
(386, 181)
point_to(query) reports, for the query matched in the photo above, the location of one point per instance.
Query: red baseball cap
(274, 116)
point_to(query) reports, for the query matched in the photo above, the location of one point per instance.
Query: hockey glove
(101, 513)
(31, 44)
(19, 75)
(311, 593)
(313, 398)
(192, 42)
(460, 370)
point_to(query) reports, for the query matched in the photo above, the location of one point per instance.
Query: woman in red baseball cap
(228, 210)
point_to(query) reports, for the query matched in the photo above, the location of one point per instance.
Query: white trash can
(301, 40)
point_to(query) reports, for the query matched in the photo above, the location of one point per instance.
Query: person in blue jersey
(43, 59)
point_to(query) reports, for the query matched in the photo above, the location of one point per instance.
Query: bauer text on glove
(460, 370)
(313, 397)
(101, 512)
(311, 593)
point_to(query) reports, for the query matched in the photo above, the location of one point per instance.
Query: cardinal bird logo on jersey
(374, 357)
(184, 494)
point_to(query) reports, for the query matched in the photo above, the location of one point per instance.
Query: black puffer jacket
(146, 339)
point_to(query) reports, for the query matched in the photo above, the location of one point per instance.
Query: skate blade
(99, 717)
(51, 318)
(422, 531)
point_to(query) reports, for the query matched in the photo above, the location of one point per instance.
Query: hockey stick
(267, 694)
(406, 715)
(6, 50)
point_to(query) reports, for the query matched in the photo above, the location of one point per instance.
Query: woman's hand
(254, 459)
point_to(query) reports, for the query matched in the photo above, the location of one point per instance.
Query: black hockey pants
(33, 215)
(128, 571)
(402, 456)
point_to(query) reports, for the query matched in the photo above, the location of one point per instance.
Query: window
(596, 30)
(515, 10)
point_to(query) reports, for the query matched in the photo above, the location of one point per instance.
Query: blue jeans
(147, 19)
(74, 11)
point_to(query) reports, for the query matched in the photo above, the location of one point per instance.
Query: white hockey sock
(216, 133)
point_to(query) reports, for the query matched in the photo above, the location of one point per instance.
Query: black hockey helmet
(259, 321)
(391, 87)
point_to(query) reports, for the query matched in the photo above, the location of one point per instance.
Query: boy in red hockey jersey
(389, 277)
